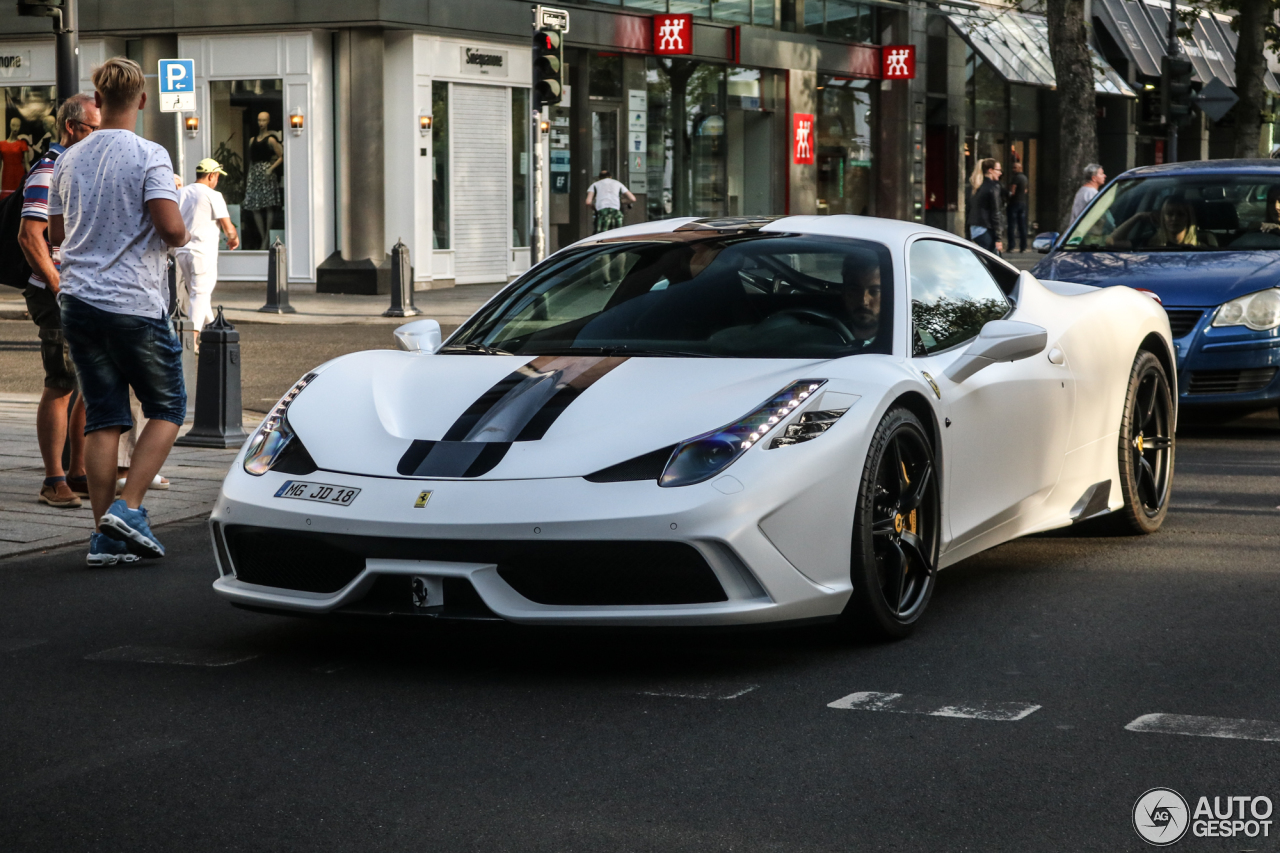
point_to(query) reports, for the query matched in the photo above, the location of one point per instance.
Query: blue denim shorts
(116, 352)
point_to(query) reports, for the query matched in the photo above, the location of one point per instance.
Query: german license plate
(319, 492)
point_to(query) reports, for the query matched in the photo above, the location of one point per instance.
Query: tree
(1254, 22)
(1077, 102)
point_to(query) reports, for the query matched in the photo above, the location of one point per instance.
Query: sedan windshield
(1183, 213)
(752, 296)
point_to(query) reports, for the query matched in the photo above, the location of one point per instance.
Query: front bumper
(468, 529)
(1227, 367)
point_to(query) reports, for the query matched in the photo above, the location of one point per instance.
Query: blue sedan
(1204, 239)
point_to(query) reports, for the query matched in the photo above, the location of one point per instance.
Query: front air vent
(647, 467)
(1230, 381)
(1182, 321)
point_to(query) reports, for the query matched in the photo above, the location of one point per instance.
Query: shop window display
(248, 140)
(29, 128)
(845, 109)
(440, 165)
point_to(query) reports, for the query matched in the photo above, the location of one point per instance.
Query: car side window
(952, 296)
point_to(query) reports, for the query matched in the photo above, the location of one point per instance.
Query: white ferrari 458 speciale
(707, 422)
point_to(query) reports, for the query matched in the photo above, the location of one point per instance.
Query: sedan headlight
(702, 457)
(274, 434)
(1259, 311)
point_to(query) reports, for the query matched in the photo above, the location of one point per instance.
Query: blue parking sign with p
(177, 75)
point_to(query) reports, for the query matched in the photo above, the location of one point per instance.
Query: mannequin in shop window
(262, 185)
(15, 158)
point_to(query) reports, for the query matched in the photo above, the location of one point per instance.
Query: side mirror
(1044, 242)
(419, 336)
(999, 340)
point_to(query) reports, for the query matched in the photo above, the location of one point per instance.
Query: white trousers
(196, 279)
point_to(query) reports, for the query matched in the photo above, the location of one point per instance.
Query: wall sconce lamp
(193, 126)
(424, 124)
(544, 126)
(296, 121)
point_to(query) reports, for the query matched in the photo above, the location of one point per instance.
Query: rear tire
(1146, 449)
(896, 530)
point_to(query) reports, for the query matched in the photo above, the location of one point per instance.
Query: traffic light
(1175, 88)
(39, 8)
(548, 65)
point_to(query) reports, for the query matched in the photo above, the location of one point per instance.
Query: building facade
(346, 128)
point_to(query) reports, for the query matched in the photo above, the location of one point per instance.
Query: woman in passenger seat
(1175, 226)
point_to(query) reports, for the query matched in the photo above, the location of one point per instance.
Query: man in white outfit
(205, 213)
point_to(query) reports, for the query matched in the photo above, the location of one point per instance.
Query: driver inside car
(862, 297)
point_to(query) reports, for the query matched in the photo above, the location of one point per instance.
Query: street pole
(67, 44)
(539, 199)
(1171, 153)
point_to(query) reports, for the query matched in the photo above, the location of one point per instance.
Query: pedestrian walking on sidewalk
(205, 213)
(77, 118)
(113, 208)
(1094, 178)
(986, 206)
(1017, 209)
(606, 196)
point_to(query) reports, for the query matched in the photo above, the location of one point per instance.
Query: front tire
(1145, 449)
(896, 530)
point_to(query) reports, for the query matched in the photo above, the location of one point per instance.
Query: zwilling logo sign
(489, 63)
(15, 64)
(672, 34)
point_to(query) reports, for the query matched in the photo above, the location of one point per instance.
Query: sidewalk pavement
(242, 299)
(26, 525)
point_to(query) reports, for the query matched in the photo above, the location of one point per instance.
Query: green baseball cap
(208, 166)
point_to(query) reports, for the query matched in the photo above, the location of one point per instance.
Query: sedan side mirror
(999, 340)
(1044, 242)
(419, 336)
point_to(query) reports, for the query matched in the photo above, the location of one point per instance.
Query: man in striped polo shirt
(77, 118)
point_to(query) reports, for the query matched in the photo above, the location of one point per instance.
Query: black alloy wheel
(1146, 448)
(896, 530)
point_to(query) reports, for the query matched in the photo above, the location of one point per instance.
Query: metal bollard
(277, 282)
(218, 419)
(401, 284)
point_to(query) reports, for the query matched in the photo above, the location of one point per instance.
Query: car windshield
(684, 293)
(1182, 213)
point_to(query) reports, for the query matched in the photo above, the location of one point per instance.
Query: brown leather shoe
(59, 495)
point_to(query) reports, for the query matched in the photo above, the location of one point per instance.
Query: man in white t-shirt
(606, 196)
(113, 209)
(205, 214)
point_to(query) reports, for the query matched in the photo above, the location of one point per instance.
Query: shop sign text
(898, 62)
(802, 138)
(484, 62)
(15, 64)
(672, 34)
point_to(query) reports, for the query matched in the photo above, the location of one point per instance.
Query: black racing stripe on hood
(452, 458)
(477, 410)
(546, 416)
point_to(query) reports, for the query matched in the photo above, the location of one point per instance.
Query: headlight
(274, 435)
(1259, 311)
(702, 457)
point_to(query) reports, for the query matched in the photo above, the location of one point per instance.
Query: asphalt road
(141, 712)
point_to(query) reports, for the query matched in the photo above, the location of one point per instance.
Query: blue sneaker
(130, 527)
(104, 551)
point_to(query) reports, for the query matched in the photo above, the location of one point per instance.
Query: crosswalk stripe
(1224, 727)
(932, 706)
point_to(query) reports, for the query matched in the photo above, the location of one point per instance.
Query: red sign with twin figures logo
(898, 62)
(672, 34)
(802, 138)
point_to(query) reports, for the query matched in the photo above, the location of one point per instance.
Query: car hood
(380, 413)
(1180, 279)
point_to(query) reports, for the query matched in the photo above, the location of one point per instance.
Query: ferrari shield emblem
(422, 500)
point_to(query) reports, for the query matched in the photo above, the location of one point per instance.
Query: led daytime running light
(274, 434)
(704, 456)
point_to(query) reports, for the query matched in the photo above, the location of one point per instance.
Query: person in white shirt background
(205, 214)
(606, 196)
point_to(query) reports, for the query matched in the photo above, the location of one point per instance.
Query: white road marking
(1225, 727)
(179, 657)
(705, 693)
(898, 703)
(19, 644)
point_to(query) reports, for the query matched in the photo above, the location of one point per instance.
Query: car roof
(1206, 167)
(888, 231)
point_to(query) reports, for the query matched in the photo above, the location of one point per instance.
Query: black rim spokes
(1151, 441)
(902, 523)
